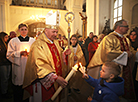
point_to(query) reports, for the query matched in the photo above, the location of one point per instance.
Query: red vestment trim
(129, 92)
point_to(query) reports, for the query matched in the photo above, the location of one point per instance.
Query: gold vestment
(109, 49)
(40, 61)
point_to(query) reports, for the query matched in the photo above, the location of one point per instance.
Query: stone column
(5, 14)
(90, 12)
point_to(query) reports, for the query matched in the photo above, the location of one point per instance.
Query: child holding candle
(109, 87)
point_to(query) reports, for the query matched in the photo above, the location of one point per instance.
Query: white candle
(67, 79)
(80, 65)
(82, 69)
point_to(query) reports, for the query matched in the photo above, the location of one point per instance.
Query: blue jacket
(108, 93)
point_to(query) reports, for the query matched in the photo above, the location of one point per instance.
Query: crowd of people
(37, 67)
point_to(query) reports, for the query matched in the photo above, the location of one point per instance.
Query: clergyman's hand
(61, 81)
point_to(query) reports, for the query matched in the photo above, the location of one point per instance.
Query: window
(117, 10)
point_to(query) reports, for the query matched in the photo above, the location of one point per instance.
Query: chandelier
(38, 18)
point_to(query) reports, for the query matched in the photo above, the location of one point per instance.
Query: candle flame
(82, 69)
(75, 67)
(80, 65)
(25, 48)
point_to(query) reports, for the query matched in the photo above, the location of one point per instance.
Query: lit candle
(80, 65)
(25, 48)
(67, 79)
(82, 69)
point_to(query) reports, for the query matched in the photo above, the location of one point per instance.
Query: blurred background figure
(81, 42)
(92, 47)
(65, 41)
(12, 35)
(133, 39)
(5, 65)
(87, 41)
(60, 40)
(37, 35)
(100, 37)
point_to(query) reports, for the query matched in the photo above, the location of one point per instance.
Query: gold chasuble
(44, 58)
(79, 54)
(110, 48)
(76, 81)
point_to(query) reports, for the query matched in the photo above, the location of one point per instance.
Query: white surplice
(15, 46)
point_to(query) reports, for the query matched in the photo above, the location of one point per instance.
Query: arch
(133, 6)
(29, 22)
(134, 14)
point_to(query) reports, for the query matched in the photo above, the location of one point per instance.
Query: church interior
(97, 16)
(96, 12)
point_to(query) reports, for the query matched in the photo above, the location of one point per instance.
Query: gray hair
(118, 23)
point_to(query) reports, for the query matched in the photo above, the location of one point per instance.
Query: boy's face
(73, 41)
(23, 31)
(105, 73)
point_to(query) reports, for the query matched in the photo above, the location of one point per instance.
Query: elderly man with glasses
(112, 46)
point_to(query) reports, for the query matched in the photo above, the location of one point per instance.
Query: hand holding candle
(24, 52)
(67, 79)
(83, 70)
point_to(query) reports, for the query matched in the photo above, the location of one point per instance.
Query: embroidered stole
(129, 92)
(56, 58)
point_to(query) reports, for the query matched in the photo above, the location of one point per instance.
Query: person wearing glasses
(45, 68)
(112, 46)
(17, 53)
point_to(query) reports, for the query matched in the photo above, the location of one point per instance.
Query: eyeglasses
(73, 39)
(133, 34)
(23, 29)
(124, 26)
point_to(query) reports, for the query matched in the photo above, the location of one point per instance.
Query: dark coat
(110, 92)
(3, 51)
